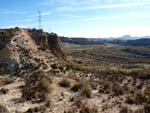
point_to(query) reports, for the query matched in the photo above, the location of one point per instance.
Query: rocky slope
(23, 49)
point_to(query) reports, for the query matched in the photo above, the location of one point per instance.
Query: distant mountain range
(125, 37)
(128, 37)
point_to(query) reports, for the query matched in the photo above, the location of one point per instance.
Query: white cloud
(56, 23)
(19, 25)
(66, 8)
(117, 16)
(82, 2)
(71, 16)
(12, 12)
(42, 14)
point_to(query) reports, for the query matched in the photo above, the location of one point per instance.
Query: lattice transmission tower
(40, 20)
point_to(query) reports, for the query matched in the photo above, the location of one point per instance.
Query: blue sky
(79, 18)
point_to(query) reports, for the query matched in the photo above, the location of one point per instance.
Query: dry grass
(82, 106)
(138, 99)
(6, 81)
(86, 92)
(124, 110)
(84, 88)
(147, 108)
(81, 84)
(65, 83)
(37, 87)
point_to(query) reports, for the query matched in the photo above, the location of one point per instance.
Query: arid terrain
(41, 74)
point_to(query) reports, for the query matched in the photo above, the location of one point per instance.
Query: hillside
(126, 41)
(21, 48)
(37, 76)
(139, 42)
(82, 41)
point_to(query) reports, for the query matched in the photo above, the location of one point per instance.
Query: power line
(40, 20)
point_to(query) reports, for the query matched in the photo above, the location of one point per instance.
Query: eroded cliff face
(48, 40)
(19, 49)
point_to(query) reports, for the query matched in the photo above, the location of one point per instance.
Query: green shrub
(54, 66)
(65, 83)
(61, 68)
(42, 48)
(68, 67)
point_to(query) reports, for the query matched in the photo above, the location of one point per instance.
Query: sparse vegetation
(65, 83)
(88, 109)
(115, 88)
(37, 87)
(3, 109)
(137, 99)
(124, 110)
(78, 86)
(147, 108)
(42, 48)
(101, 75)
(61, 68)
(54, 66)
(83, 87)
(86, 92)
(6, 81)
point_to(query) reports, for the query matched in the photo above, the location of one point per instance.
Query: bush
(83, 87)
(140, 99)
(3, 109)
(42, 48)
(107, 86)
(6, 81)
(54, 66)
(77, 87)
(37, 87)
(65, 83)
(117, 89)
(68, 67)
(86, 92)
(124, 110)
(147, 91)
(147, 108)
(137, 99)
(88, 109)
(83, 106)
(61, 68)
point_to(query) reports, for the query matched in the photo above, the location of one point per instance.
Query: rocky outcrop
(48, 40)
(19, 49)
